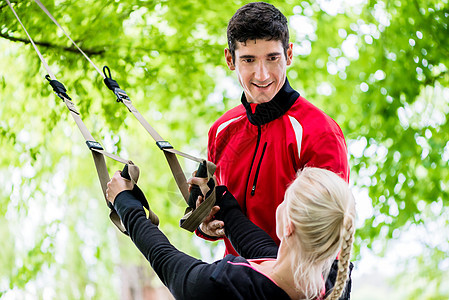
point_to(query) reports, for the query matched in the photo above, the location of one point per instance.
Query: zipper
(259, 134)
(253, 190)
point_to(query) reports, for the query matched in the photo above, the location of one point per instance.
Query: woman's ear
(289, 229)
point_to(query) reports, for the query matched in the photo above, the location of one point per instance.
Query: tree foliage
(380, 69)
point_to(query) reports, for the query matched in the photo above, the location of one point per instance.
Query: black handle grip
(136, 190)
(195, 190)
(125, 173)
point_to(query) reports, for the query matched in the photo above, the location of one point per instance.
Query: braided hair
(343, 259)
(321, 208)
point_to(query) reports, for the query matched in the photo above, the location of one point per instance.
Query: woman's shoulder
(246, 280)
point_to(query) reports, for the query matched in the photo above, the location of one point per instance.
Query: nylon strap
(192, 217)
(44, 9)
(173, 162)
(100, 163)
(32, 42)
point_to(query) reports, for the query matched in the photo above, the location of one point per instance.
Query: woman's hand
(116, 185)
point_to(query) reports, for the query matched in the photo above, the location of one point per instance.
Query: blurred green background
(379, 68)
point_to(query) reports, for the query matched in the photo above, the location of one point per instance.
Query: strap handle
(131, 172)
(193, 217)
(195, 190)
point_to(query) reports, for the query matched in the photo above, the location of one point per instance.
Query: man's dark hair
(257, 20)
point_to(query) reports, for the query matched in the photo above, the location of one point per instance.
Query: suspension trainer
(130, 171)
(193, 216)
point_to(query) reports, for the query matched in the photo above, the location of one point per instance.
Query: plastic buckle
(121, 95)
(94, 145)
(164, 145)
(58, 88)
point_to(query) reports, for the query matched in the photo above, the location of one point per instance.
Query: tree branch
(49, 45)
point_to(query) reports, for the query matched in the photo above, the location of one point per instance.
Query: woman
(314, 224)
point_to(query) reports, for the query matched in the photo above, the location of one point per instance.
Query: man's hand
(116, 185)
(209, 226)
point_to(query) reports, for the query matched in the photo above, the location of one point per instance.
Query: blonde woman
(315, 223)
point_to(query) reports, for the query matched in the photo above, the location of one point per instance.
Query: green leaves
(380, 70)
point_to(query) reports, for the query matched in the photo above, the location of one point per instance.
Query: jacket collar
(276, 107)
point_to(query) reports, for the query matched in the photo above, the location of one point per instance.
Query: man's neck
(260, 114)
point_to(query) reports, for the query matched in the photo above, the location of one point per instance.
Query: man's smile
(262, 85)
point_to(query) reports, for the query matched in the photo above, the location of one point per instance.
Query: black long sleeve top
(189, 278)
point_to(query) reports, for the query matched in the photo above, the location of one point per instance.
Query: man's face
(261, 68)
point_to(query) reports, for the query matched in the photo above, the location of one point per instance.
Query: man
(259, 145)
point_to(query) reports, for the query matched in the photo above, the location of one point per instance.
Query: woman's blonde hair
(321, 207)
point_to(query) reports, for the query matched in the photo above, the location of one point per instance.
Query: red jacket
(258, 148)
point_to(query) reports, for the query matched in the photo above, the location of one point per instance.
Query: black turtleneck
(276, 107)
